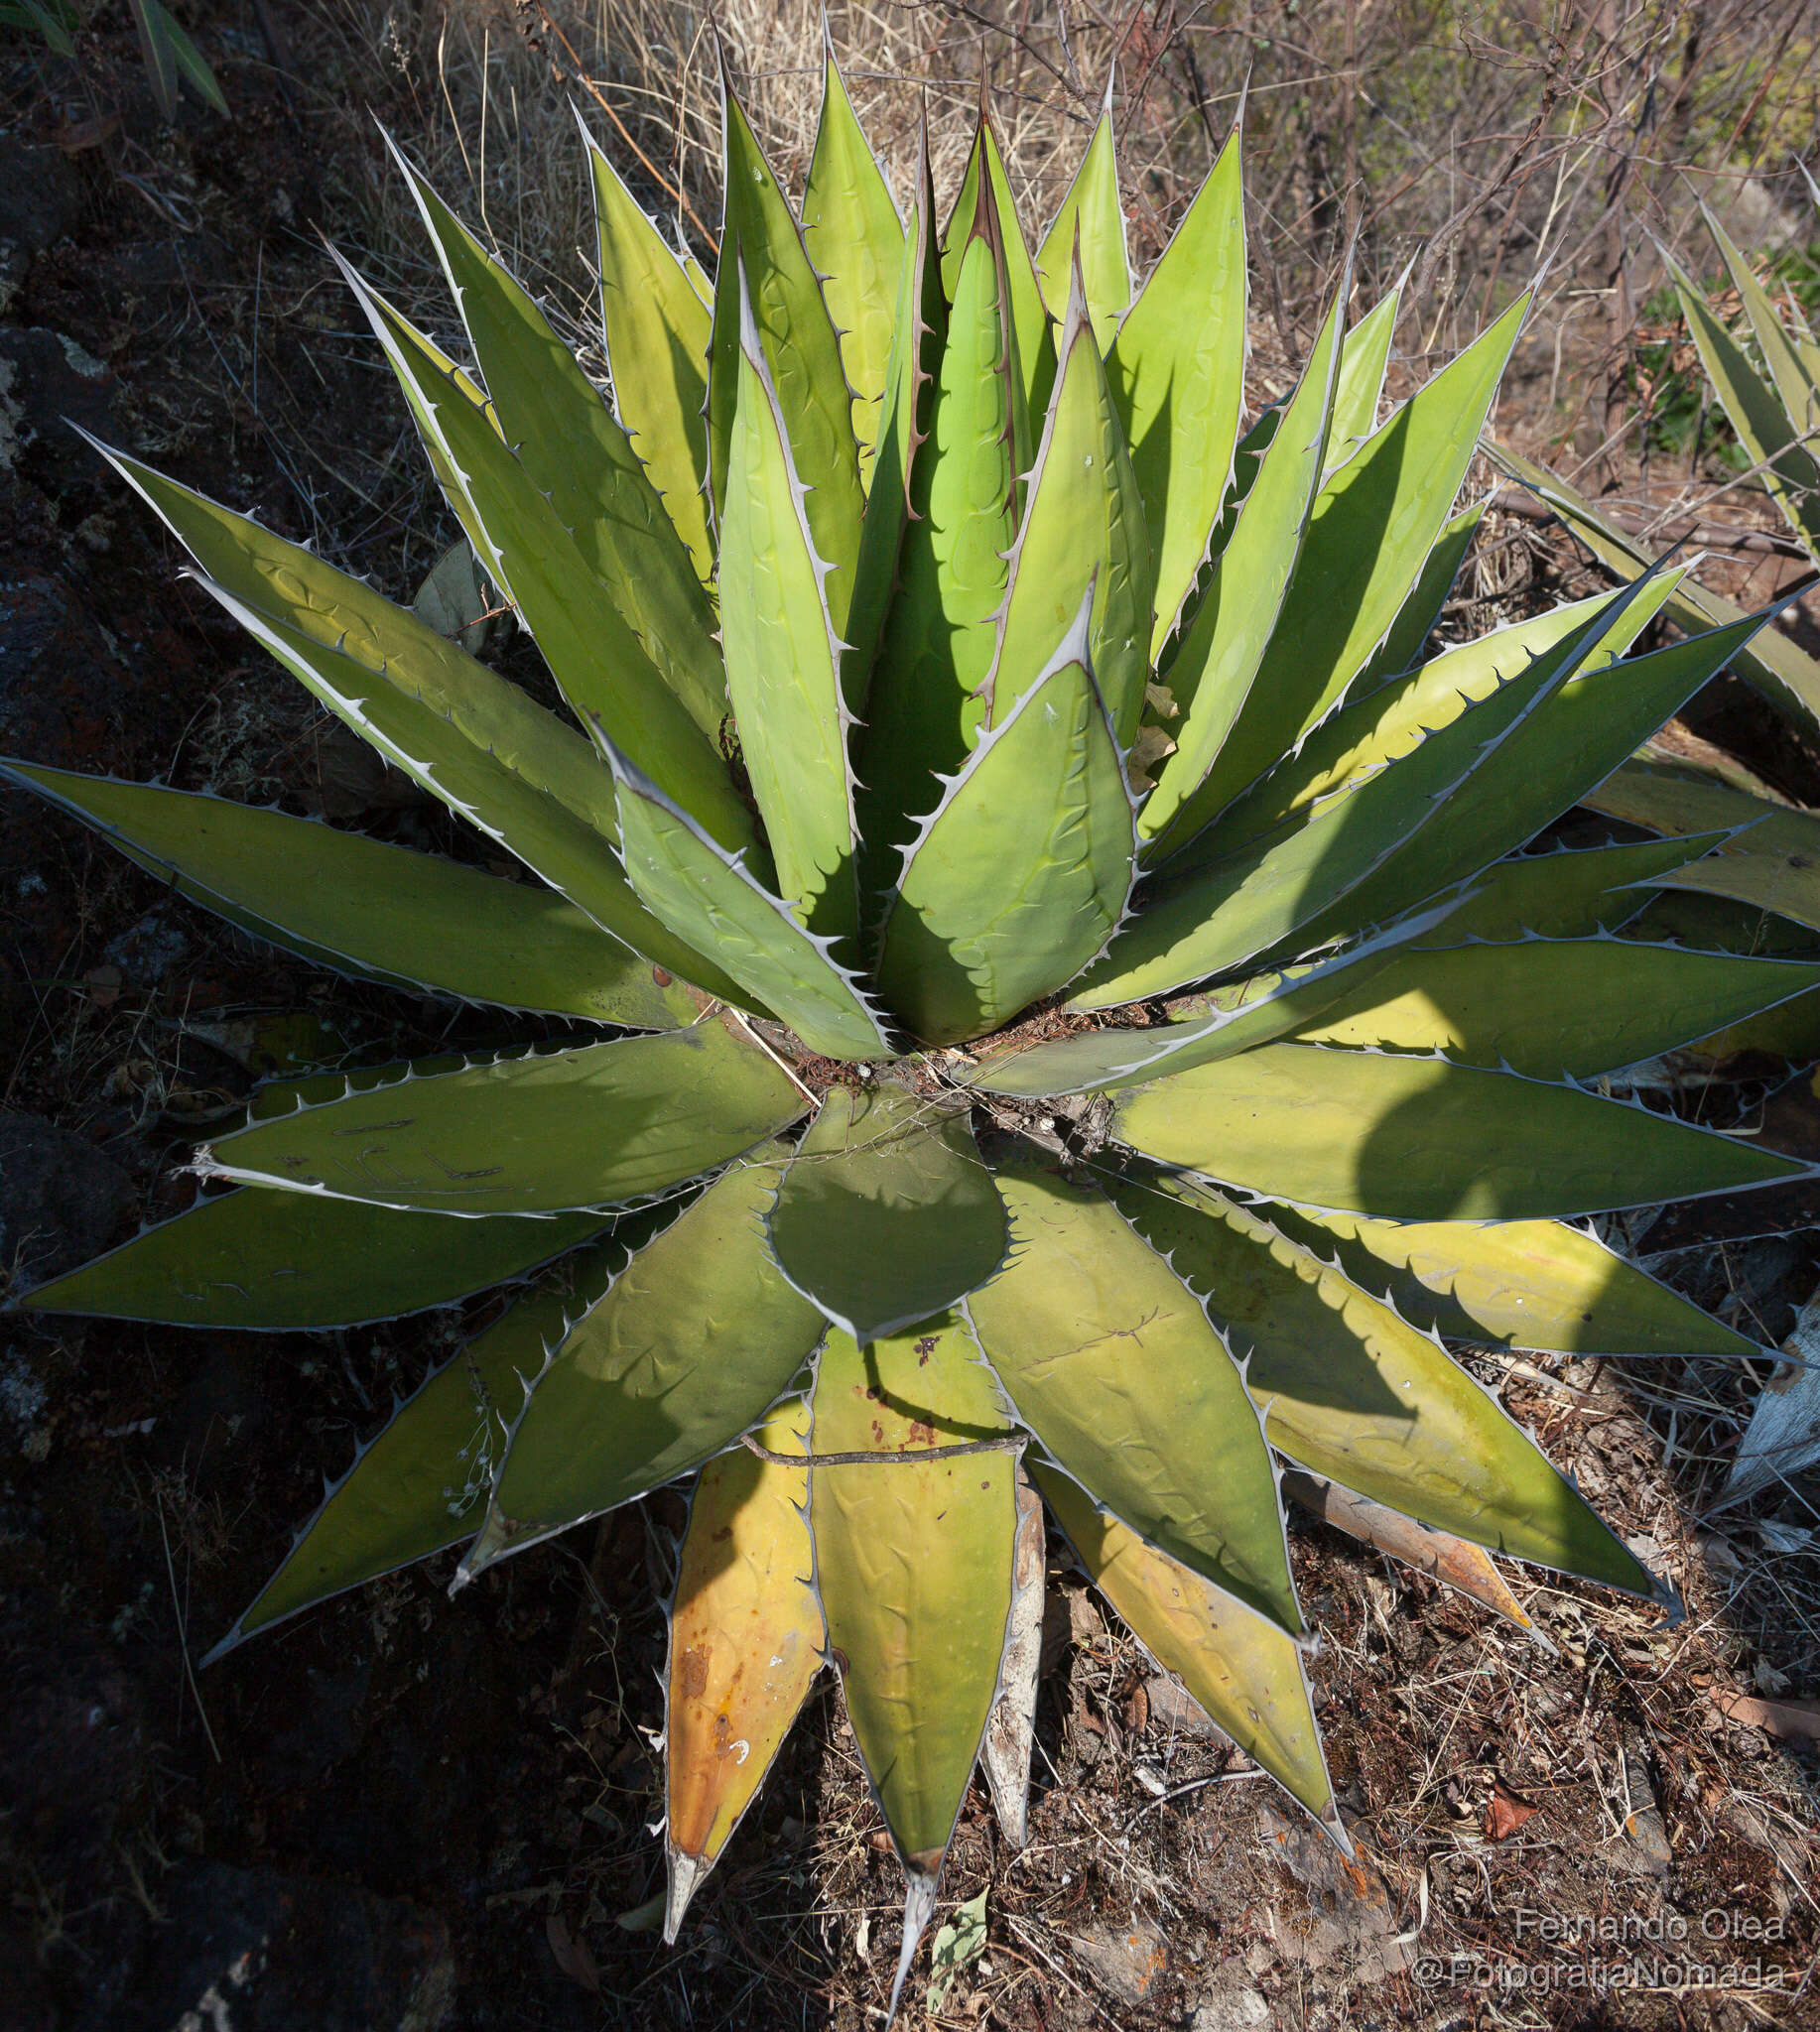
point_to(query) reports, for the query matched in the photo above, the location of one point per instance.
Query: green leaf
(421, 1484)
(1230, 1020)
(412, 920)
(592, 654)
(1035, 352)
(456, 600)
(855, 239)
(1084, 526)
(1177, 376)
(1402, 647)
(579, 459)
(1228, 642)
(1773, 663)
(958, 1943)
(1363, 356)
(1765, 428)
(1568, 893)
(294, 1261)
(924, 709)
(151, 20)
(657, 348)
(1091, 214)
(697, 1339)
(914, 1567)
(1362, 1397)
(801, 347)
(474, 741)
(1020, 875)
(746, 1640)
(1406, 796)
(1518, 1284)
(918, 338)
(1419, 1139)
(1111, 1364)
(1795, 373)
(1245, 1673)
(1373, 527)
(606, 1123)
(183, 53)
(1556, 1007)
(887, 1214)
(689, 881)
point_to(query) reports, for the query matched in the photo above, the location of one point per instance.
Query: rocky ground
(402, 1813)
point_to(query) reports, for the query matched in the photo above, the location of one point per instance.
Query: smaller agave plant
(1100, 1024)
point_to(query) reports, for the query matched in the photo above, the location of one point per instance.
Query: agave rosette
(942, 645)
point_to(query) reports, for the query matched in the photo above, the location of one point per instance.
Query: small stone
(47, 383)
(40, 196)
(61, 1201)
(1233, 2011)
(147, 950)
(1125, 1961)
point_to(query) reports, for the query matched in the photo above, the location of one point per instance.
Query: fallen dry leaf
(1777, 1717)
(571, 1956)
(1506, 1812)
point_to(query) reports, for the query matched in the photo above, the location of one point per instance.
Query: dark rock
(48, 383)
(61, 699)
(74, 1745)
(148, 949)
(263, 1952)
(61, 1201)
(40, 196)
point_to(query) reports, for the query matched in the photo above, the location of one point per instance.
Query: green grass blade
(886, 1214)
(1420, 1140)
(590, 1127)
(1177, 375)
(1110, 1362)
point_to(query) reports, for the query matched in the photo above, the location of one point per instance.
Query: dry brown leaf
(1775, 1717)
(571, 1955)
(1506, 1812)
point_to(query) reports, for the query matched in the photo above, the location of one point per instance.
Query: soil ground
(399, 1812)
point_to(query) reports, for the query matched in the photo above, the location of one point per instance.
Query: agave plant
(1100, 1024)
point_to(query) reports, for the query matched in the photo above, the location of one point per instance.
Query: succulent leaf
(855, 240)
(1420, 1140)
(1364, 355)
(1520, 1284)
(1035, 349)
(1110, 1363)
(292, 1262)
(531, 1134)
(1003, 895)
(885, 1215)
(422, 1485)
(1010, 1730)
(1091, 219)
(1354, 1393)
(656, 327)
(746, 1640)
(914, 1564)
(1177, 375)
(691, 1345)
(686, 879)
(762, 236)
(414, 919)
(1245, 1674)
